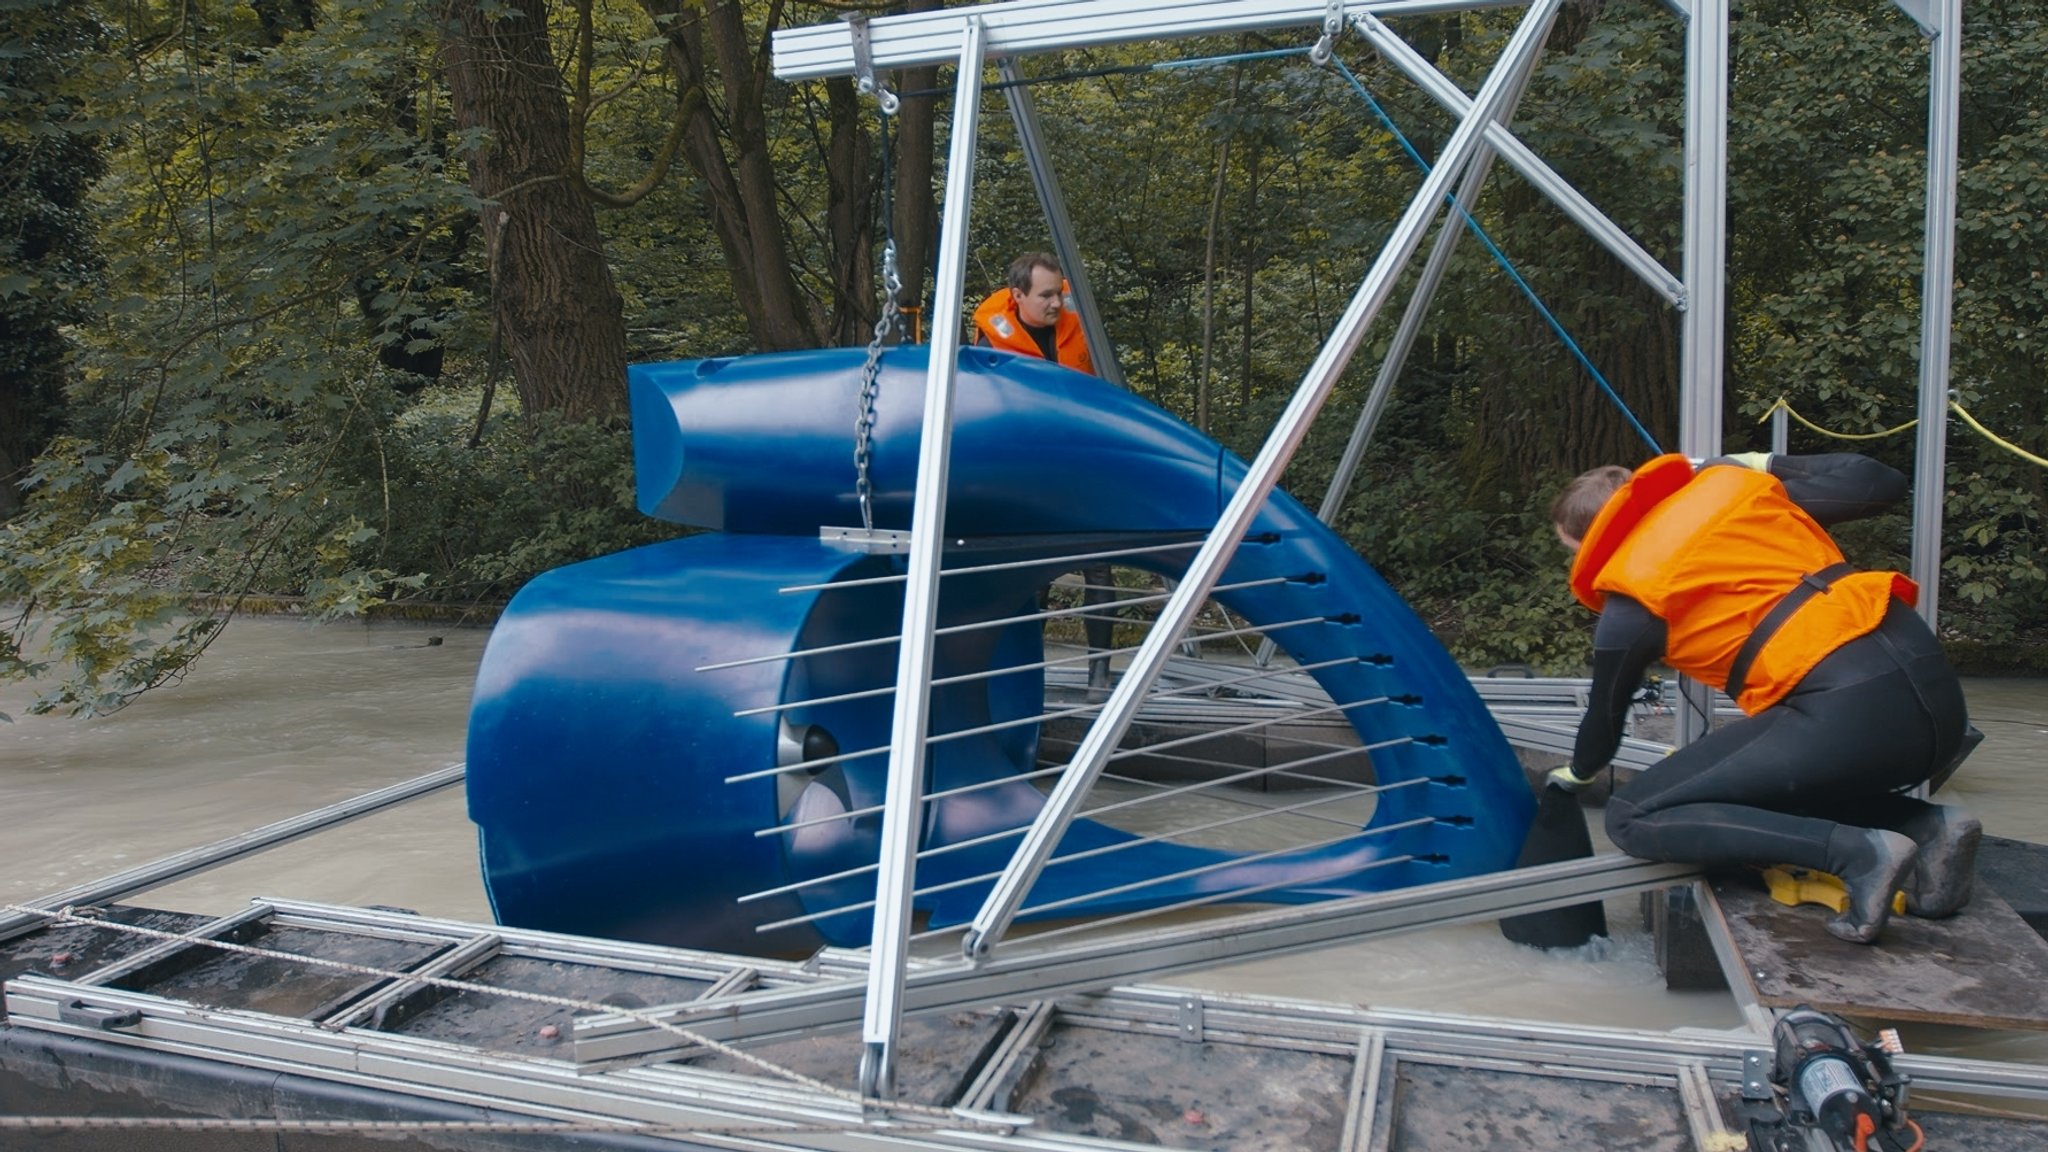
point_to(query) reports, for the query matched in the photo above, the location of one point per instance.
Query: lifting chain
(870, 381)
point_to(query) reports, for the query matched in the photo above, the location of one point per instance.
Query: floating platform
(375, 1029)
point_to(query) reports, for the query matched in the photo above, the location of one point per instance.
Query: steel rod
(999, 782)
(1005, 566)
(996, 726)
(1260, 478)
(979, 625)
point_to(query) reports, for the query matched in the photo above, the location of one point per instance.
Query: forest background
(333, 299)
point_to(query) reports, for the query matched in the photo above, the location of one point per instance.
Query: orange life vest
(1000, 327)
(1710, 553)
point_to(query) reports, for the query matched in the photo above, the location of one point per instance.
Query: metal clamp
(1333, 27)
(93, 1016)
(864, 63)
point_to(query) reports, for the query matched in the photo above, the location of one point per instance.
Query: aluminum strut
(1260, 478)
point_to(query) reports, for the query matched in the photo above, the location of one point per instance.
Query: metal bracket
(1925, 13)
(93, 1016)
(1333, 27)
(1756, 1075)
(1191, 1021)
(864, 62)
(870, 540)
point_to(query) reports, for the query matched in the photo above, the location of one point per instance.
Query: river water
(283, 716)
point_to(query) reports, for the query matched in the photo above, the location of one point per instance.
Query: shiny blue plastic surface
(599, 753)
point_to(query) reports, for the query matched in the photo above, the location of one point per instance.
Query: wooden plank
(1983, 968)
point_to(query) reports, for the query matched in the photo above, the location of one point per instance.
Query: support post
(903, 801)
(1702, 359)
(1025, 115)
(1930, 468)
(1006, 898)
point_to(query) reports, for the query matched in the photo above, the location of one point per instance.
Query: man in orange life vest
(1029, 315)
(1728, 573)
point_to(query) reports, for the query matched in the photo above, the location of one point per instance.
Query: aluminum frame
(1260, 478)
(902, 818)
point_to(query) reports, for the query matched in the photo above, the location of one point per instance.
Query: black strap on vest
(1809, 586)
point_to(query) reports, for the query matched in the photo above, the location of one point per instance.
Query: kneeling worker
(1728, 573)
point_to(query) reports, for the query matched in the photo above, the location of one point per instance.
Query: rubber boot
(1945, 867)
(1872, 864)
(1557, 833)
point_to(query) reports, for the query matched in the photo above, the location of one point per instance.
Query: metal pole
(1541, 176)
(1930, 469)
(1025, 116)
(1455, 223)
(1701, 363)
(1260, 477)
(158, 873)
(1781, 431)
(904, 799)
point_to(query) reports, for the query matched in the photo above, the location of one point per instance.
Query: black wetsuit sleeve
(1835, 487)
(1626, 641)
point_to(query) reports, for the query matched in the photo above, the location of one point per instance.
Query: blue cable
(1506, 264)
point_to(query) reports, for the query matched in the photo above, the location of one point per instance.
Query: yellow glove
(1760, 461)
(1568, 778)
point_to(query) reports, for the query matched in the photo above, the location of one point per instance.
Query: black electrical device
(1835, 1092)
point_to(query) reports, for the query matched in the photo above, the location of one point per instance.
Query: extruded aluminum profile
(1027, 26)
(1022, 973)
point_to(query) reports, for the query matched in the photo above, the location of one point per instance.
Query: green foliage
(278, 390)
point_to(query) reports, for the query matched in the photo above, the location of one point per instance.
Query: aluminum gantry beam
(1028, 26)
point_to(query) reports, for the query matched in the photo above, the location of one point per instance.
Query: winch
(1835, 1092)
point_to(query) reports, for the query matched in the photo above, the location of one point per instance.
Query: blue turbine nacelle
(623, 786)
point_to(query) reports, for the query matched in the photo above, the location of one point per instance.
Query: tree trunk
(552, 291)
(917, 207)
(739, 189)
(849, 216)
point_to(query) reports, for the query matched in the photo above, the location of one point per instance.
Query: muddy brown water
(283, 716)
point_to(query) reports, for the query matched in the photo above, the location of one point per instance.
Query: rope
(1501, 258)
(1954, 406)
(1790, 411)
(915, 1113)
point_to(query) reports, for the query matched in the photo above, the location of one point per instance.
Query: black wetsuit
(1875, 718)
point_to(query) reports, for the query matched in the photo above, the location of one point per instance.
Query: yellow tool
(1795, 886)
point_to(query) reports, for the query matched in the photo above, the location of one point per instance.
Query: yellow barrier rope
(1792, 412)
(1957, 408)
(1988, 434)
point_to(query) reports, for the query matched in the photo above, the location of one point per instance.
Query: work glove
(1568, 778)
(1760, 461)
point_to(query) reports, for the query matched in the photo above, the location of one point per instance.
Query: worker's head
(1037, 284)
(1572, 512)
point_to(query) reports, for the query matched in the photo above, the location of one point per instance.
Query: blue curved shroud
(600, 746)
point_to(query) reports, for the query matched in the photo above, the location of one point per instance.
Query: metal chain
(870, 386)
(889, 321)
